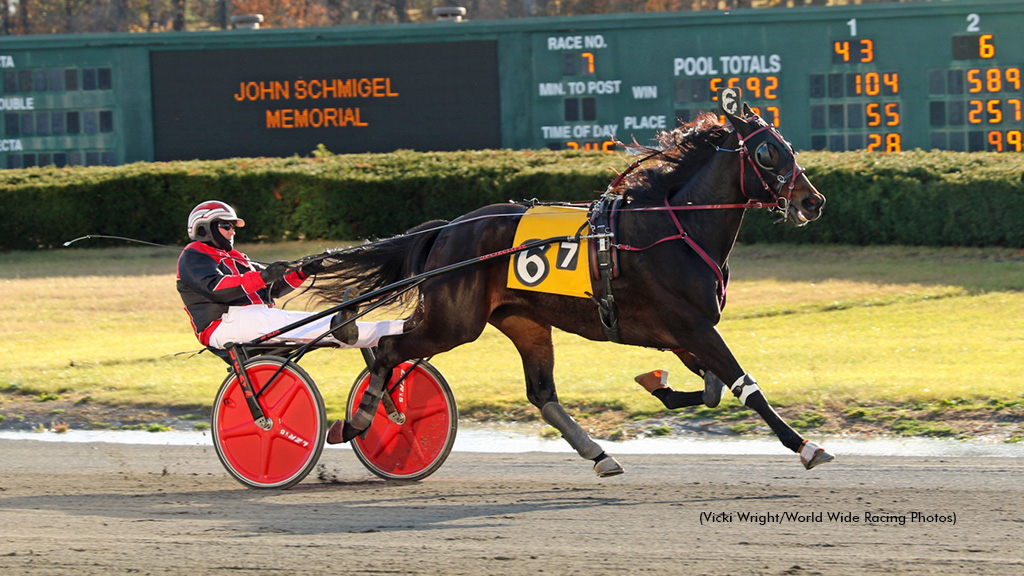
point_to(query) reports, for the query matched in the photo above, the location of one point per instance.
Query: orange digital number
(867, 51)
(886, 142)
(873, 116)
(1015, 103)
(874, 142)
(1014, 140)
(754, 87)
(892, 80)
(995, 140)
(892, 143)
(995, 111)
(892, 114)
(589, 57)
(842, 48)
(876, 113)
(605, 146)
(871, 84)
(986, 46)
(994, 80)
(974, 83)
(774, 111)
(975, 108)
(1013, 77)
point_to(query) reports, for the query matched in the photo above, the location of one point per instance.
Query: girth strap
(603, 265)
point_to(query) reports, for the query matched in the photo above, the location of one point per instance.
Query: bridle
(769, 161)
(770, 156)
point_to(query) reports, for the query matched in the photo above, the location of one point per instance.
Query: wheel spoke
(384, 440)
(286, 399)
(246, 428)
(414, 445)
(290, 434)
(426, 411)
(266, 455)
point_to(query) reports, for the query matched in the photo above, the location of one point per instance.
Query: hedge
(913, 198)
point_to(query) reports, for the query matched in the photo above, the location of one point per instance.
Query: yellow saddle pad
(559, 268)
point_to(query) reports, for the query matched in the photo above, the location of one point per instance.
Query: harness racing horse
(693, 186)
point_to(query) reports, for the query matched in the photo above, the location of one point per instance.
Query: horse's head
(774, 175)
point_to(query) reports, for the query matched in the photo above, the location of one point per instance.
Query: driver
(229, 298)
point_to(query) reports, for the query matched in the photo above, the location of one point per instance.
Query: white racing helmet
(204, 214)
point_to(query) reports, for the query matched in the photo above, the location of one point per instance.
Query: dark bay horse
(669, 293)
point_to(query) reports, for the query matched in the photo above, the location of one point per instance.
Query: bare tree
(179, 15)
(5, 13)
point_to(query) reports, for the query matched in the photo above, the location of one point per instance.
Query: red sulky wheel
(282, 456)
(417, 447)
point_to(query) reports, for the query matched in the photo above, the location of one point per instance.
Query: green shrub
(912, 198)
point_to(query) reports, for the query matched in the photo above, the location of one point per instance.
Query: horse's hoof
(653, 380)
(341, 431)
(335, 434)
(713, 388)
(811, 455)
(607, 466)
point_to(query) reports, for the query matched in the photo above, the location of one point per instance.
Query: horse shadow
(360, 506)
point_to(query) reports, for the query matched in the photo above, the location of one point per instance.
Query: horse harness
(604, 262)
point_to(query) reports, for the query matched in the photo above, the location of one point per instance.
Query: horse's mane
(677, 156)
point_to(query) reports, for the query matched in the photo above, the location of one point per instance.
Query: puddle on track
(489, 438)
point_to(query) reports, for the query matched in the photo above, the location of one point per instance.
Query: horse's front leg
(715, 354)
(533, 341)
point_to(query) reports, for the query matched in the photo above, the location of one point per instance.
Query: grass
(817, 326)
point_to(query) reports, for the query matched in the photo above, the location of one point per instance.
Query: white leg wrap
(743, 387)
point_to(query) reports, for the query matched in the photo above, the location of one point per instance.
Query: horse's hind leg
(656, 382)
(533, 340)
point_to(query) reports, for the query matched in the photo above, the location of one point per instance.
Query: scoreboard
(883, 77)
(357, 98)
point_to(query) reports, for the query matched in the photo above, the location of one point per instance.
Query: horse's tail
(378, 264)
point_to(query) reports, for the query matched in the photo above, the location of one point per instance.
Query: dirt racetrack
(100, 508)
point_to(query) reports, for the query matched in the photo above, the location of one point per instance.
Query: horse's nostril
(812, 203)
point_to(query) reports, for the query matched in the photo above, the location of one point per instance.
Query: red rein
(682, 235)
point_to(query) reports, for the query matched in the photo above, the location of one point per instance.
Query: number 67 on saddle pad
(553, 268)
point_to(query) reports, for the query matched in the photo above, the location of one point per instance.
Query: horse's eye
(766, 156)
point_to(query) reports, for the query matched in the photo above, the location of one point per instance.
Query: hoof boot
(811, 455)
(653, 380)
(341, 431)
(606, 467)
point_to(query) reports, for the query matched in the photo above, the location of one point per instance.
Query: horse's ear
(746, 110)
(737, 121)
